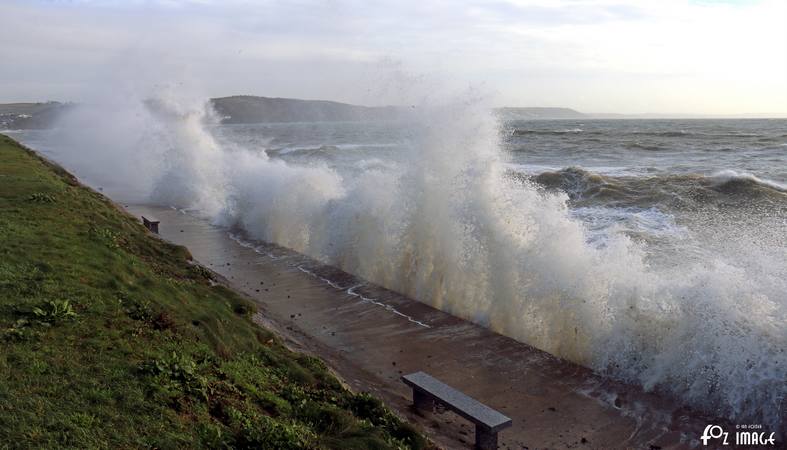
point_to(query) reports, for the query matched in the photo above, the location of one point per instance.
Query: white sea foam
(732, 175)
(603, 223)
(449, 228)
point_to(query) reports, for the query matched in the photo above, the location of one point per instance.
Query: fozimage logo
(744, 435)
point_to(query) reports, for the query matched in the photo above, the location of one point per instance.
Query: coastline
(113, 338)
(370, 337)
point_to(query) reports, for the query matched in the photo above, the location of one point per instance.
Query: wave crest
(728, 188)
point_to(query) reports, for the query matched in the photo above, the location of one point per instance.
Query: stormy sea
(653, 251)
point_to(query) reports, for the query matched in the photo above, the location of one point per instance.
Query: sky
(603, 56)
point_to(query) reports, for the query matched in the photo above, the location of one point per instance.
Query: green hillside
(113, 338)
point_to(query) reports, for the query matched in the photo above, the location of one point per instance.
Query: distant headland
(246, 109)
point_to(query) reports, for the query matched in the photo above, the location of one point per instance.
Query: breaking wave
(450, 226)
(741, 181)
(726, 187)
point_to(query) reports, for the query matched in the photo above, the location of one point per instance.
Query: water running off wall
(449, 226)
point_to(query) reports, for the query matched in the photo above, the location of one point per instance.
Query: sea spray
(449, 226)
(142, 150)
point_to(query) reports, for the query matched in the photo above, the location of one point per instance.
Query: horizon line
(688, 115)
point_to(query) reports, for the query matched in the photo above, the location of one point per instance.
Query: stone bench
(428, 391)
(151, 223)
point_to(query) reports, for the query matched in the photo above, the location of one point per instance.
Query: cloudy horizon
(604, 56)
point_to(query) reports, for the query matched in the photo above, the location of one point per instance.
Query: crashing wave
(451, 227)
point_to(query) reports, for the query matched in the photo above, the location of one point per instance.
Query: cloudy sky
(665, 56)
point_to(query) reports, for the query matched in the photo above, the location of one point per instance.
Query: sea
(653, 251)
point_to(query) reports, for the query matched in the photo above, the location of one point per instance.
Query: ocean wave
(621, 134)
(451, 229)
(673, 133)
(696, 134)
(319, 152)
(521, 132)
(686, 133)
(643, 146)
(647, 224)
(585, 187)
(742, 181)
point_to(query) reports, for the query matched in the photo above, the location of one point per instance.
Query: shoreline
(114, 338)
(371, 336)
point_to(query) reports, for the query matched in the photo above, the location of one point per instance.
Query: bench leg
(422, 402)
(484, 439)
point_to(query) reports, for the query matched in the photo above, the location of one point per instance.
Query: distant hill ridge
(240, 109)
(539, 113)
(251, 109)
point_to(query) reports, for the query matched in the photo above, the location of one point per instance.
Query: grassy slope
(110, 338)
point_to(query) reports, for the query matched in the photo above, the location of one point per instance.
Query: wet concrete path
(371, 336)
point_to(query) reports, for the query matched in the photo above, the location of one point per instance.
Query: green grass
(111, 338)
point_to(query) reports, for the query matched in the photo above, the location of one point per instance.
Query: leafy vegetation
(112, 338)
(54, 311)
